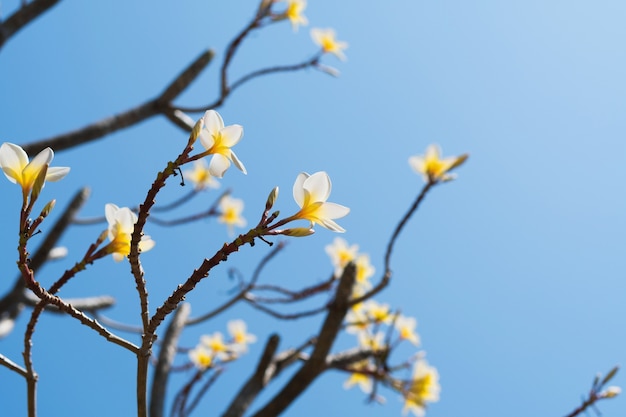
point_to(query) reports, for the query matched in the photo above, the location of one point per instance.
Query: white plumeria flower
(432, 167)
(325, 38)
(218, 139)
(201, 176)
(361, 379)
(241, 338)
(364, 271)
(231, 209)
(340, 254)
(311, 193)
(121, 225)
(201, 356)
(406, 329)
(423, 388)
(294, 11)
(17, 168)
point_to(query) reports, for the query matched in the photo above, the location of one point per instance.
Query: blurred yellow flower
(325, 38)
(201, 357)
(294, 11)
(361, 379)
(121, 224)
(432, 167)
(17, 168)
(215, 343)
(241, 338)
(311, 193)
(423, 388)
(231, 209)
(406, 329)
(364, 271)
(340, 254)
(218, 139)
(201, 176)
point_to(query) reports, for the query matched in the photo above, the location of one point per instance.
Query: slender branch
(12, 302)
(22, 17)
(241, 294)
(97, 130)
(316, 364)
(12, 366)
(387, 274)
(249, 77)
(165, 360)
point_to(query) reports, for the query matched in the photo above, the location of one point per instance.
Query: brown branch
(241, 294)
(22, 17)
(13, 302)
(387, 274)
(316, 364)
(90, 304)
(159, 105)
(165, 360)
(255, 383)
(13, 366)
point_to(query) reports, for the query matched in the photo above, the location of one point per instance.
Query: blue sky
(514, 271)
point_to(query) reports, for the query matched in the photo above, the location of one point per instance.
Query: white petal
(318, 185)
(331, 225)
(109, 212)
(13, 157)
(218, 165)
(56, 173)
(417, 163)
(206, 139)
(126, 219)
(145, 244)
(432, 152)
(238, 163)
(298, 189)
(333, 211)
(231, 135)
(213, 121)
(35, 166)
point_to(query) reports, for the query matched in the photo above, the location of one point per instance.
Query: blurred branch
(90, 304)
(597, 393)
(13, 302)
(165, 360)
(22, 17)
(159, 105)
(241, 294)
(256, 382)
(316, 363)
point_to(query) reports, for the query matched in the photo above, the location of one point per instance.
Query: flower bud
(48, 208)
(40, 181)
(612, 391)
(298, 232)
(195, 132)
(271, 199)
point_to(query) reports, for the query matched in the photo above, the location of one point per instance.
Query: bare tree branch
(166, 358)
(255, 383)
(22, 17)
(159, 105)
(316, 364)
